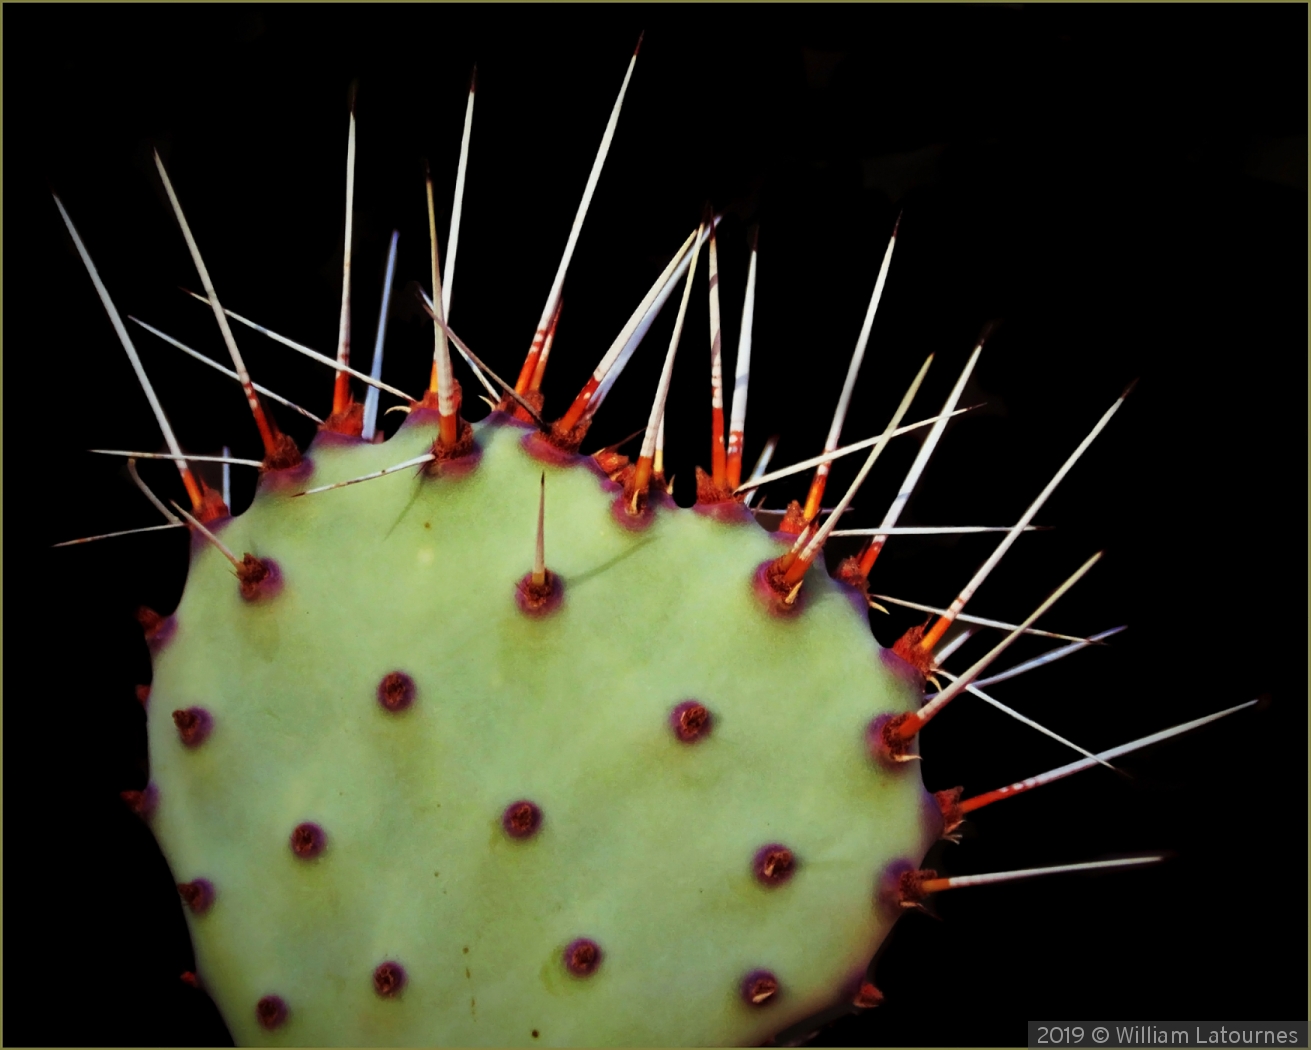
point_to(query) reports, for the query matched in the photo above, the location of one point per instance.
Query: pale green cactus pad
(647, 845)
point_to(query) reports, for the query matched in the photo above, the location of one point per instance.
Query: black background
(1124, 185)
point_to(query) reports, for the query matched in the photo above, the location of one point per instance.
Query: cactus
(514, 535)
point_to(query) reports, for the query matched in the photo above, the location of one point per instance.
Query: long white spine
(457, 208)
(371, 395)
(640, 323)
(930, 443)
(968, 591)
(858, 355)
(667, 373)
(344, 326)
(742, 369)
(557, 286)
(121, 331)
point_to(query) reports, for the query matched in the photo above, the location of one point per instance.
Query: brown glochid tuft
(396, 691)
(521, 819)
(389, 979)
(759, 987)
(774, 864)
(198, 895)
(271, 1012)
(691, 721)
(582, 957)
(308, 841)
(194, 725)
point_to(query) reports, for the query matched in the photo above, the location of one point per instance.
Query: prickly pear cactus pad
(444, 685)
(693, 858)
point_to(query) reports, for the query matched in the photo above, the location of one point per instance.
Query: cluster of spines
(779, 582)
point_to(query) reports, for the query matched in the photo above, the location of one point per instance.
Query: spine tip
(989, 330)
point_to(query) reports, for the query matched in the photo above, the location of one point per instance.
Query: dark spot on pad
(691, 721)
(348, 423)
(583, 957)
(867, 997)
(308, 841)
(534, 1033)
(271, 1012)
(774, 864)
(521, 820)
(619, 512)
(198, 895)
(389, 979)
(884, 743)
(759, 987)
(142, 803)
(285, 453)
(765, 586)
(910, 891)
(150, 620)
(891, 883)
(258, 578)
(447, 459)
(194, 725)
(908, 647)
(157, 629)
(396, 691)
(539, 599)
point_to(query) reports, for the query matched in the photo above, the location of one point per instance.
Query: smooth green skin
(646, 844)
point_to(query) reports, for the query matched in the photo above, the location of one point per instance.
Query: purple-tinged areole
(194, 726)
(759, 988)
(396, 691)
(454, 467)
(888, 887)
(893, 662)
(271, 1012)
(691, 721)
(536, 445)
(774, 864)
(259, 578)
(143, 803)
(198, 894)
(638, 522)
(158, 629)
(389, 979)
(867, 996)
(308, 841)
(770, 598)
(889, 752)
(521, 819)
(582, 957)
(286, 478)
(537, 600)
